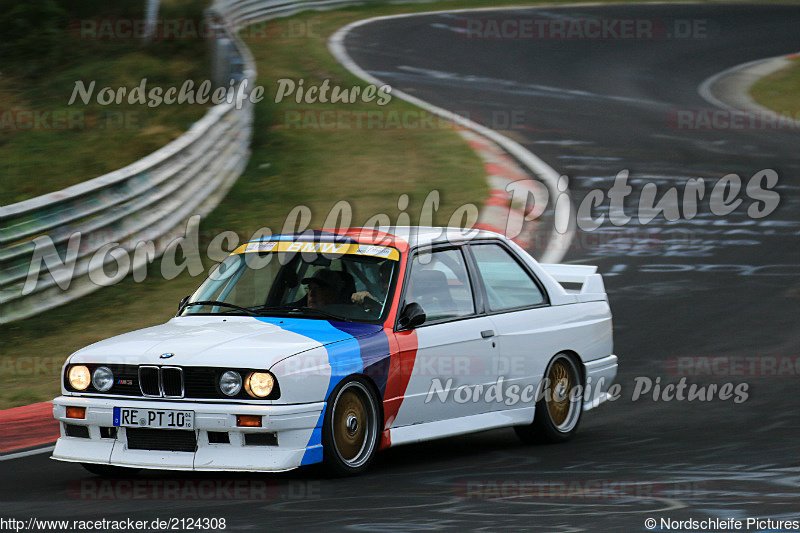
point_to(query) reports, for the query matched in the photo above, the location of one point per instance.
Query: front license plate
(153, 418)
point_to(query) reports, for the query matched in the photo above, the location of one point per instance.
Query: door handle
(487, 333)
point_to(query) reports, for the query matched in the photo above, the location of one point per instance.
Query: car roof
(402, 237)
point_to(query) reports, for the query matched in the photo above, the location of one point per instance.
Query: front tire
(350, 431)
(558, 411)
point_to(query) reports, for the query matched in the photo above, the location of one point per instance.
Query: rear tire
(350, 432)
(109, 470)
(557, 412)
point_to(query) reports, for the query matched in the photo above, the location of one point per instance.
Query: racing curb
(27, 427)
(500, 213)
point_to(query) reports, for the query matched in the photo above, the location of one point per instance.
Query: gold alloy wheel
(562, 378)
(559, 401)
(354, 424)
(349, 425)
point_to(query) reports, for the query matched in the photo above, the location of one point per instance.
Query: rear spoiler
(591, 283)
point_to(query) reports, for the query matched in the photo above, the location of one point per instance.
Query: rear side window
(508, 285)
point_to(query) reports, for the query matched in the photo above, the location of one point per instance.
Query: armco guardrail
(240, 13)
(149, 200)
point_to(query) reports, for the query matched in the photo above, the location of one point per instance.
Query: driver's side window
(440, 284)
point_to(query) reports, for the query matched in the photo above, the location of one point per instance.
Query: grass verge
(780, 91)
(46, 144)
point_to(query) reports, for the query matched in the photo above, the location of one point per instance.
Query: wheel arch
(578, 361)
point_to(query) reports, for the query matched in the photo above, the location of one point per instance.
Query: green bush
(36, 34)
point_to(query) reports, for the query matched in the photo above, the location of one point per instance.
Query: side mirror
(412, 316)
(183, 303)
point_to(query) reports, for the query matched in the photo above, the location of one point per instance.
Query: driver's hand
(358, 297)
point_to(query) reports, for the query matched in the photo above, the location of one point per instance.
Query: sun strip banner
(373, 250)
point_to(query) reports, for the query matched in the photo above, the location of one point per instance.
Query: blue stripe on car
(374, 346)
(344, 358)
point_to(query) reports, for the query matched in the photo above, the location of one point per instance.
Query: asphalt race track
(711, 286)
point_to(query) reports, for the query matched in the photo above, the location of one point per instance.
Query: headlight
(230, 383)
(259, 384)
(79, 377)
(103, 378)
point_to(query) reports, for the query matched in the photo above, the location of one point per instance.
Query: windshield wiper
(219, 304)
(285, 309)
(320, 312)
(289, 309)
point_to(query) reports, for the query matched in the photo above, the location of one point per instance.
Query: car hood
(246, 342)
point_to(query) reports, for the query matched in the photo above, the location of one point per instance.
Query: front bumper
(294, 428)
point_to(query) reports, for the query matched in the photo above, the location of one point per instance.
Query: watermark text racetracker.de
(520, 489)
(732, 120)
(120, 524)
(200, 489)
(726, 366)
(189, 29)
(28, 365)
(57, 120)
(593, 29)
(393, 119)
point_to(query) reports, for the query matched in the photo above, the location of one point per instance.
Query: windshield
(350, 286)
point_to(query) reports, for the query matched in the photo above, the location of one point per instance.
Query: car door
(528, 330)
(454, 348)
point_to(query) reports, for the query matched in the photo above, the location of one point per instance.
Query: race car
(328, 346)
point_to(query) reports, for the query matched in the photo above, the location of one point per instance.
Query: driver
(325, 287)
(385, 274)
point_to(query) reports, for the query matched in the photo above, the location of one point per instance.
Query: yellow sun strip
(372, 250)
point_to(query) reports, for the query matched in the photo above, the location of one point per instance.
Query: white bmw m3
(329, 346)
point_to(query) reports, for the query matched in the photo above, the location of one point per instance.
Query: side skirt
(460, 426)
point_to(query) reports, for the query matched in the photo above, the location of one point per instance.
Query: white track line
(705, 88)
(26, 453)
(557, 244)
